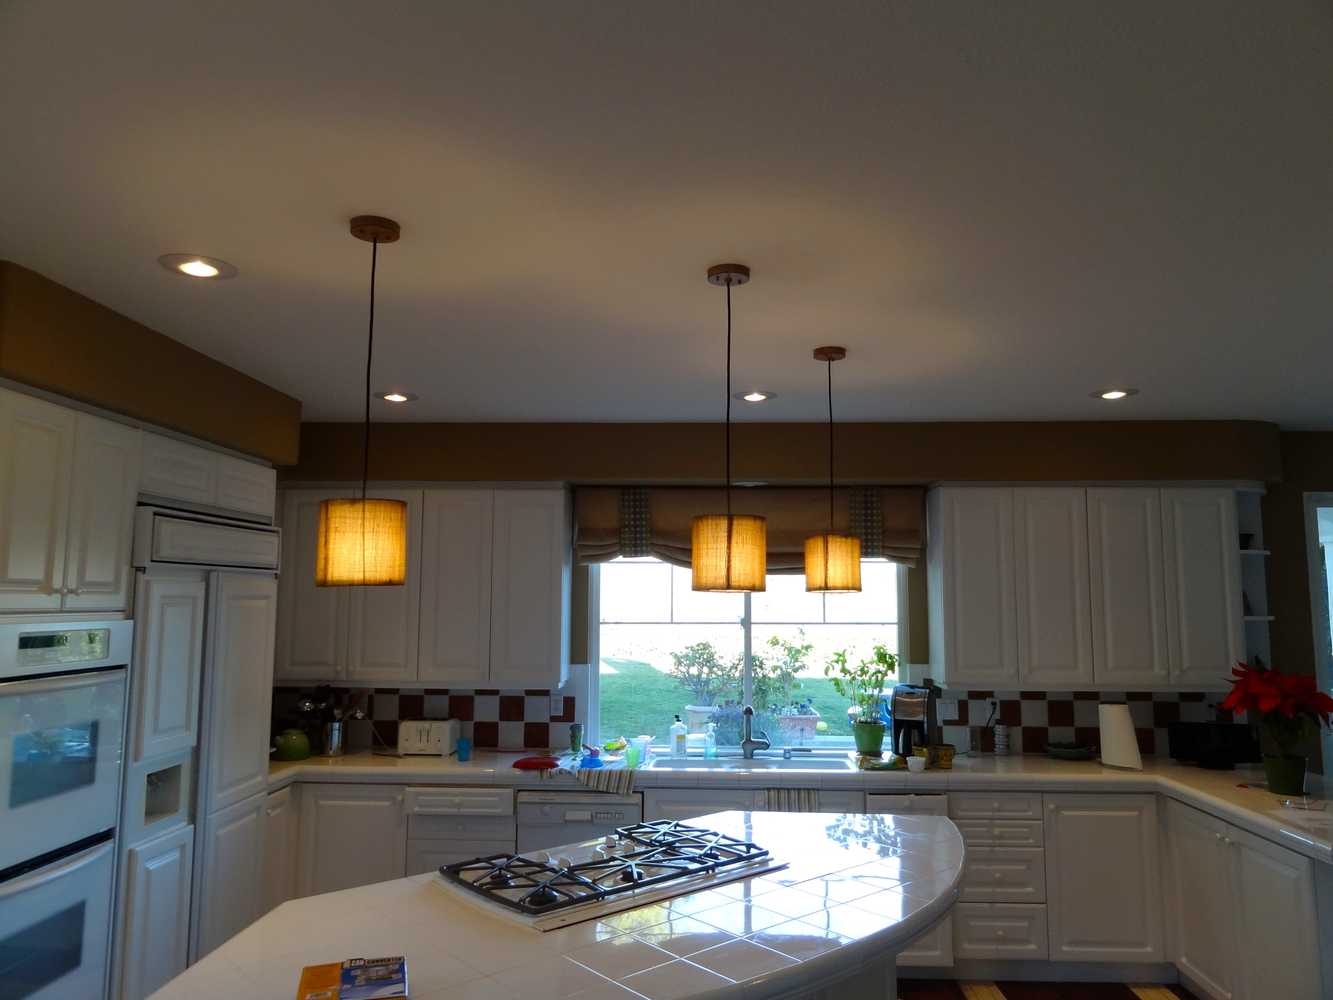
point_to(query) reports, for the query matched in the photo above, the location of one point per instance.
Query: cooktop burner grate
(644, 855)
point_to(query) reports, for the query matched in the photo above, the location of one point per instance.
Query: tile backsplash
(1036, 718)
(492, 719)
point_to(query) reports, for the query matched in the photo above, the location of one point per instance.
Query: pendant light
(832, 561)
(728, 552)
(363, 542)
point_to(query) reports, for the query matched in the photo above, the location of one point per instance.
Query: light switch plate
(948, 708)
(557, 704)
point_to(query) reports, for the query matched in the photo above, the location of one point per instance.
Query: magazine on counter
(355, 979)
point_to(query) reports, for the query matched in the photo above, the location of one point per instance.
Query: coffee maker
(915, 722)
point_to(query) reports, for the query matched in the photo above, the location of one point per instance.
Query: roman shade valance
(655, 521)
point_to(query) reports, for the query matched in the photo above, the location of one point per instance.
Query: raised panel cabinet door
(1204, 610)
(312, 621)
(280, 827)
(246, 487)
(238, 672)
(1199, 898)
(1051, 589)
(456, 587)
(1103, 892)
(690, 803)
(169, 660)
(974, 577)
(36, 455)
(229, 895)
(156, 945)
(1129, 638)
(382, 621)
(930, 949)
(1278, 940)
(104, 487)
(175, 470)
(351, 835)
(531, 563)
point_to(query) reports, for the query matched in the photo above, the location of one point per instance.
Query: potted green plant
(863, 685)
(1289, 709)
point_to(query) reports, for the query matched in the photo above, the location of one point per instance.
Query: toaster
(421, 736)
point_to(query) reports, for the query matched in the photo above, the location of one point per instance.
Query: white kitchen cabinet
(382, 621)
(530, 579)
(312, 622)
(1102, 883)
(1200, 903)
(104, 487)
(36, 458)
(994, 874)
(245, 487)
(168, 664)
(1051, 586)
(456, 588)
(229, 893)
(281, 825)
(1201, 545)
(1277, 939)
(180, 471)
(689, 803)
(155, 927)
(999, 930)
(350, 835)
(970, 575)
(1129, 633)
(239, 676)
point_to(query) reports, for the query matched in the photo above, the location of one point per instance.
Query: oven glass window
(50, 762)
(37, 956)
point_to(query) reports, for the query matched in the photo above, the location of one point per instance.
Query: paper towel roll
(1119, 746)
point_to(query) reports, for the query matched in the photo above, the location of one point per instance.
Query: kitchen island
(853, 891)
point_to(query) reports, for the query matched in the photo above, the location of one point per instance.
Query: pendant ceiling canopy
(363, 542)
(728, 552)
(832, 561)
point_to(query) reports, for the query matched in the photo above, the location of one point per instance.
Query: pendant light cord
(370, 353)
(728, 424)
(830, 447)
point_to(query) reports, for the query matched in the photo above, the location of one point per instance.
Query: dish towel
(614, 778)
(793, 800)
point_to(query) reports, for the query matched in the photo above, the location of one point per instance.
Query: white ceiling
(997, 208)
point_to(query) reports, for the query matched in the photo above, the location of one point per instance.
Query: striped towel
(793, 800)
(615, 779)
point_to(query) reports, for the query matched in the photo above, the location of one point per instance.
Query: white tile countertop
(856, 888)
(1236, 796)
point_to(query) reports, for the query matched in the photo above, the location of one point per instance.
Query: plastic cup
(632, 756)
(464, 748)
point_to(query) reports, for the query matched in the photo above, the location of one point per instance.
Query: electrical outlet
(557, 704)
(948, 708)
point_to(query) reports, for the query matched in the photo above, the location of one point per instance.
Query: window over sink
(662, 650)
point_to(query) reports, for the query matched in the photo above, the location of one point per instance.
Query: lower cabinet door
(933, 949)
(350, 835)
(1004, 875)
(1277, 941)
(689, 803)
(1103, 891)
(999, 930)
(280, 827)
(156, 943)
(1199, 899)
(230, 895)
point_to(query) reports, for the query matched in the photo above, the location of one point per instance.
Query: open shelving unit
(1254, 574)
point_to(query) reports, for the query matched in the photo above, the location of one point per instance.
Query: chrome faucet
(748, 743)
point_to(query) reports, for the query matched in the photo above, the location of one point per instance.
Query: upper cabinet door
(245, 487)
(971, 575)
(1051, 574)
(530, 589)
(1129, 634)
(1205, 627)
(168, 664)
(36, 454)
(104, 489)
(240, 686)
(178, 471)
(382, 621)
(312, 628)
(456, 587)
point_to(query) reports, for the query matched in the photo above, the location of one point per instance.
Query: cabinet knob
(999, 933)
(1050, 806)
(1217, 837)
(997, 876)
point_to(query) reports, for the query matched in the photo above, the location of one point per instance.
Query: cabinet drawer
(428, 855)
(460, 802)
(999, 930)
(1001, 805)
(1001, 832)
(457, 827)
(908, 804)
(1004, 875)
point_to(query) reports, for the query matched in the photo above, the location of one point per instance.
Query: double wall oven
(62, 730)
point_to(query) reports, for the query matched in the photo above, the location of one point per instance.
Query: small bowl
(916, 764)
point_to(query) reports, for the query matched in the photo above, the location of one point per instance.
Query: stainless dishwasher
(549, 819)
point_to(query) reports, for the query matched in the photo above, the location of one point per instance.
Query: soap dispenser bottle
(710, 741)
(678, 738)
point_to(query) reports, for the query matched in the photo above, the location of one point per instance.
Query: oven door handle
(47, 875)
(62, 682)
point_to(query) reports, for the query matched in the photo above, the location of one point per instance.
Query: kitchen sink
(799, 762)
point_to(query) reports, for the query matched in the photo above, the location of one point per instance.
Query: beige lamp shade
(362, 543)
(729, 553)
(833, 563)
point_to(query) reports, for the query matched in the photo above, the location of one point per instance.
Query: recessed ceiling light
(1112, 394)
(756, 396)
(398, 397)
(195, 265)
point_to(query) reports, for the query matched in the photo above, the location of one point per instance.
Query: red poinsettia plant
(1290, 707)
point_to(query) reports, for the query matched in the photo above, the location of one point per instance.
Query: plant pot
(869, 737)
(1285, 774)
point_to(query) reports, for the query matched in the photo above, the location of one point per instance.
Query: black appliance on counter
(1218, 746)
(914, 719)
